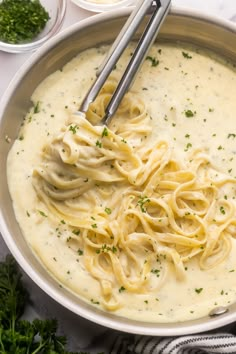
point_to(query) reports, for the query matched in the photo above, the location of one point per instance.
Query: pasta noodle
(129, 201)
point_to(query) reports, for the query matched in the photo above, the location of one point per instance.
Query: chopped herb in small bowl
(21, 20)
(27, 24)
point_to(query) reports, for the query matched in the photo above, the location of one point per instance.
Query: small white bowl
(56, 10)
(107, 5)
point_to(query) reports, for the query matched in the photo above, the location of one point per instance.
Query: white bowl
(108, 5)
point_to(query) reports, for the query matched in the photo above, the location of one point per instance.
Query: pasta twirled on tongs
(130, 203)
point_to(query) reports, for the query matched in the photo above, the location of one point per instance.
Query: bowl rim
(96, 7)
(102, 318)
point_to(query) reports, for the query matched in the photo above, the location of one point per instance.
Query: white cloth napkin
(193, 344)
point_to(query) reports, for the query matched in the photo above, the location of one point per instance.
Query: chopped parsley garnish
(80, 252)
(189, 114)
(94, 226)
(98, 143)
(154, 61)
(73, 128)
(198, 290)
(231, 136)
(222, 210)
(108, 211)
(186, 55)
(36, 107)
(42, 213)
(121, 289)
(76, 232)
(106, 248)
(156, 272)
(104, 132)
(188, 146)
(21, 20)
(95, 302)
(141, 202)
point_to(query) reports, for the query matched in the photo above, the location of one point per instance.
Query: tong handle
(116, 51)
(137, 59)
(161, 8)
(126, 34)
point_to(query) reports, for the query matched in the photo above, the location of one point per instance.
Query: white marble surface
(9, 63)
(82, 332)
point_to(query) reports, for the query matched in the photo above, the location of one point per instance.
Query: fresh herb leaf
(154, 61)
(222, 210)
(21, 336)
(122, 288)
(198, 290)
(108, 211)
(36, 108)
(186, 55)
(73, 128)
(189, 113)
(42, 213)
(98, 143)
(231, 136)
(104, 132)
(141, 202)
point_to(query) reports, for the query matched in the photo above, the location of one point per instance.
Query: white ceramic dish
(180, 24)
(108, 5)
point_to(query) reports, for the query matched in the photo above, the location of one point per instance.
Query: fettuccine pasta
(137, 218)
(128, 203)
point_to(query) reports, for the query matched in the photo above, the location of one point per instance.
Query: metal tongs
(158, 10)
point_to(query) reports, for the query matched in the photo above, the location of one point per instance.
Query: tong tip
(107, 118)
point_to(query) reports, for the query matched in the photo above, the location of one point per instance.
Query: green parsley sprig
(19, 336)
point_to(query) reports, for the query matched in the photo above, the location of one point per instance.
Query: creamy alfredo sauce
(190, 95)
